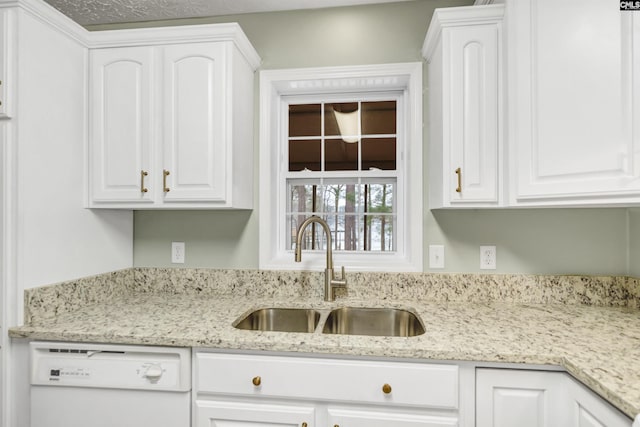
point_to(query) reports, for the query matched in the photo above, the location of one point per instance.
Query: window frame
(277, 89)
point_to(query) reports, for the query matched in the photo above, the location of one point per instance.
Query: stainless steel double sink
(390, 322)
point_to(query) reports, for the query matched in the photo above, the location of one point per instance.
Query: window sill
(369, 262)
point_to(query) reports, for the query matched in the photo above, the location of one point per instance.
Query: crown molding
(459, 16)
(179, 34)
(231, 32)
(51, 16)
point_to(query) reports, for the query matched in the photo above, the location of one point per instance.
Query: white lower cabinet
(589, 410)
(248, 390)
(237, 390)
(506, 397)
(366, 417)
(211, 413)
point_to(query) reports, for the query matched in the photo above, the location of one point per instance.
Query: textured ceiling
(90, 12)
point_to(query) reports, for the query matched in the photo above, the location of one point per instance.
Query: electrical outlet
(436, 256)
(177, 252)
(488, 257)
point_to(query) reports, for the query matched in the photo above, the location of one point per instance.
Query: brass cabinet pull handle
(459, 173)
(165, 174)
(143, 189)
(256, 381)
(386, 389)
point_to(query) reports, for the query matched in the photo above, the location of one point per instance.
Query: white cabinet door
(508, 398)
(465, 88)
(588, 410)
(574, 92)
(346, 417)
(474, 85)
(209, 413)
(195, 96)
(121, 128)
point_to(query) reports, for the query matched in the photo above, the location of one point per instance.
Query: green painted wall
(585, 241)
(634, 242)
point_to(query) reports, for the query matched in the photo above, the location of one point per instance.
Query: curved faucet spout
(330, 282)
(327, 231)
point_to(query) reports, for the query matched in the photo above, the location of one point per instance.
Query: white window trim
(276, 84)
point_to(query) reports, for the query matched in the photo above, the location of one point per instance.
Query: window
(344, 144)
(342, 167)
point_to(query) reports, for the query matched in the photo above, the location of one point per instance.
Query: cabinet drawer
(411, 384)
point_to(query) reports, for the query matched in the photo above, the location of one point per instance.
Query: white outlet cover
(177, 252)
(488, 257)
(436, 256)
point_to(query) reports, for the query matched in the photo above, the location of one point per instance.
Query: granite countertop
(598, 345)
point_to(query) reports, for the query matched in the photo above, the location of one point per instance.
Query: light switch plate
(436, 256)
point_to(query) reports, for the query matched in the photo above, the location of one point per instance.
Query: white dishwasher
(95, 385)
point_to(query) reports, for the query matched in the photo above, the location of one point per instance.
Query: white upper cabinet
(464, 51)
(172, 122)
(574, 93)
(121, 133)
(194, 117)
(563, 130)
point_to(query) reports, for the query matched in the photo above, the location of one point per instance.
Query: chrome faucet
(330, 282)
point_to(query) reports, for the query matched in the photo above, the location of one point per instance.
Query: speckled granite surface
(590, 326)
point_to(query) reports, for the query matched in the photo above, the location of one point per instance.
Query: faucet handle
(342, 281)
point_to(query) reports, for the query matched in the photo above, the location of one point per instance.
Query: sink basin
(389, 322)
(280, 319)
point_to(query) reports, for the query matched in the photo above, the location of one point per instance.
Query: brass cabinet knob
(386, 389)
(256, 381)
(304, 424)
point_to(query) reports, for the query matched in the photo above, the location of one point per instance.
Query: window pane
(361, 216)
(379, 118)
(303, 198)
(340, 155)
(304, 120)
(379, 153)
(342, 119)
(379, 198)
(379, 233)
(304, 154)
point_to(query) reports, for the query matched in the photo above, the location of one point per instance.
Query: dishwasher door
(88, 385)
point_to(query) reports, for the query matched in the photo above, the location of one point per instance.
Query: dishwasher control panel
(110, 366)
(57, 374)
